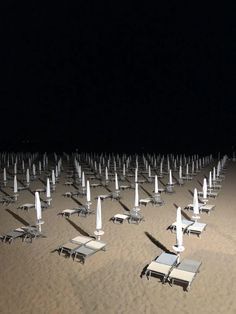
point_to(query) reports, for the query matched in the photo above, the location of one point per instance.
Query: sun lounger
(125, 187)
(185, 224)
(69, 247)
(197, 228)
(135, 217)
(185, 272)
(68, 212)
(26, 206)
(202, 207)
(104, 196)
(157, 200)
(144, 201)
(12, 235)
(162, 266)
(88, 249)
(213, 194)
(119, 218)
(169, 189)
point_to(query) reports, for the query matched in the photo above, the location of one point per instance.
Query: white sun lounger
(69, 247)
(119, 218)
(144, 201)
(197, 228)
(162, 266)
(213, 194)
(26, 206)
(202, 207)
(88, 249)
(12, 235)
(185, 224)
(185, 272)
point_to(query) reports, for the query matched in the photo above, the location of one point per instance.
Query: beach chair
(196, 228)
(185, 224)
(161, 266)
(69, 247)
(203, 207)
(157, 200)
(12, 235)
(26, 206)
(88, 249)
(185, 272)
(135, 217)
(119, 218)
(32, 232)
(144, 201)
(169, 189)
(68, 212)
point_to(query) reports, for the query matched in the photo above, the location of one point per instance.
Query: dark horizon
(99, 78)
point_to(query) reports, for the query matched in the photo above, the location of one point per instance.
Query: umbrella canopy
(88, 194)
(204, 188)
(195, 205)
(180, 172)
(116, 182)
(136, 196)
(27, 176)
(15, 185)
(38, 206)
(210, 180)
(179, 233)
(83, 180)
(53, 177)
(48, 190)
(99, 215)
(170, 178)
(4, 175)
(156, 185)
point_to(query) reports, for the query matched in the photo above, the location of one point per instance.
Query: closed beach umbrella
(156, 185)
(88, 194)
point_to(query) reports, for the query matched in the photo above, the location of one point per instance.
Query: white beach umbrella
(136, 175)
(214, 174)
(27, 176)
(48, 191)
(106, 174)
(210, 180)
(83, 180)
(15, 188)
(53, 178)
(204, 189)
(149, 171)
(98, 232)
(180, 172)
(156, 190)
(136, 197)
(34, 170)
(116, 182)
(38, 210)
(88, 194)
(195, 205)
(179, 233)
(170, 178)
(4, 176)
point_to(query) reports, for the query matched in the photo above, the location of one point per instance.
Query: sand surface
(35, 279)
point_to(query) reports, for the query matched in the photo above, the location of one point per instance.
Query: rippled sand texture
(35, 279)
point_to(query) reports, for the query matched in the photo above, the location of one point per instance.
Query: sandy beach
(35, 279)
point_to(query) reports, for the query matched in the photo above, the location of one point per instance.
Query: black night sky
(107, 77)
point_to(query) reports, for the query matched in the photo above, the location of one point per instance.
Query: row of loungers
(81, 247)
(167, 268)
(134, 218)
(25, 233)
(189, 226)
(207, 208)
